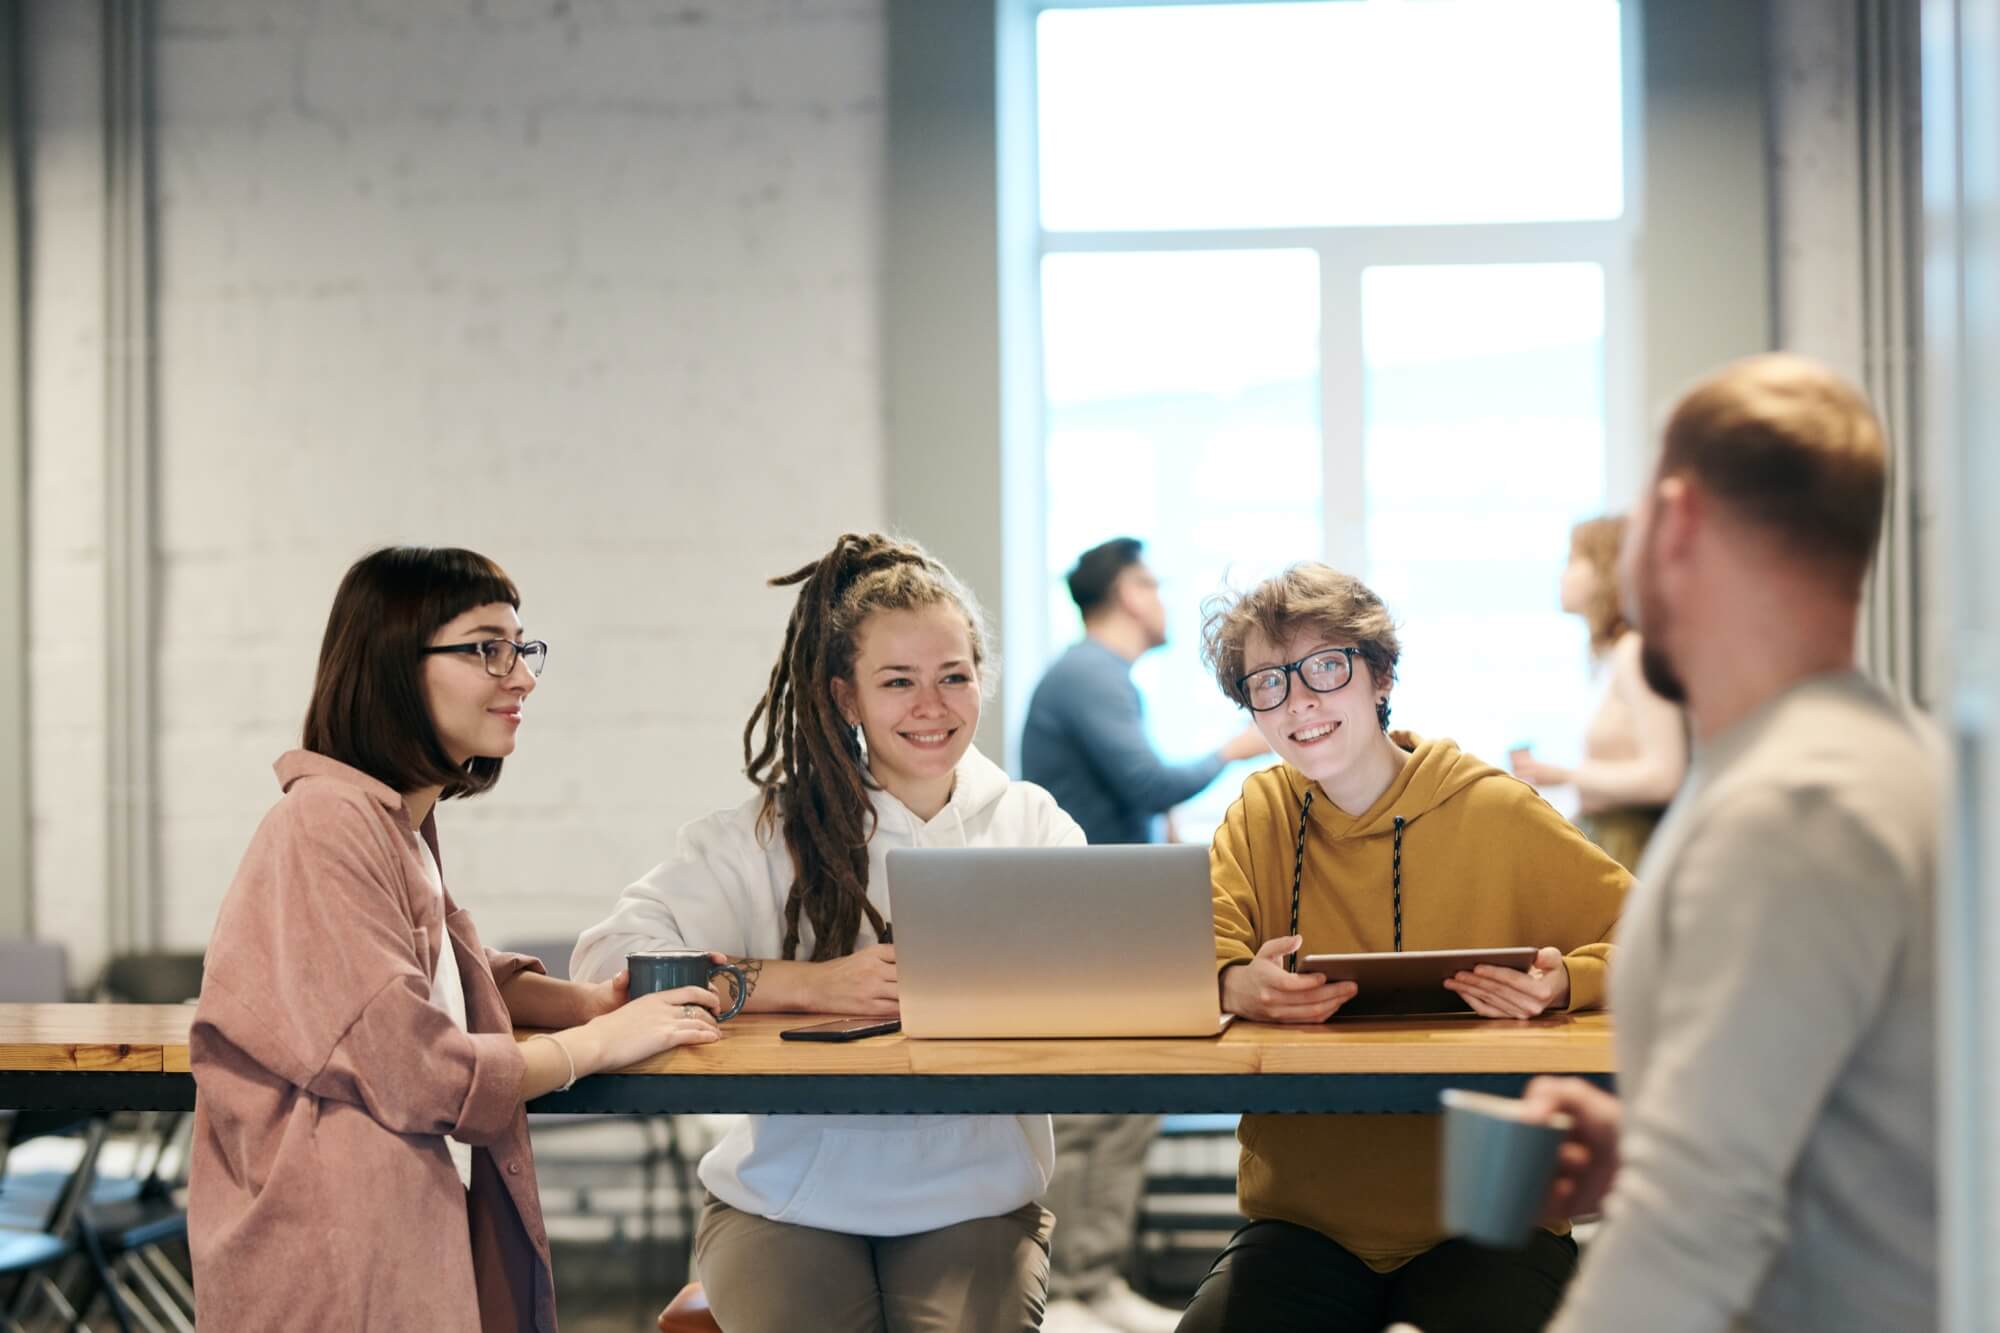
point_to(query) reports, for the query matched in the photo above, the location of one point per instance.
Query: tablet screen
(1408, 983)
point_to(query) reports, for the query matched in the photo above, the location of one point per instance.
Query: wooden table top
(142, 1038)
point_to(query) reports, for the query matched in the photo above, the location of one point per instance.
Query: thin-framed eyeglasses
(499, 654)
(1323, 672)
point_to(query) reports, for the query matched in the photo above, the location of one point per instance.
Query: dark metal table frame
(866, 1094)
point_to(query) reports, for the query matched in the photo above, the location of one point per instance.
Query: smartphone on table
(844, 1029)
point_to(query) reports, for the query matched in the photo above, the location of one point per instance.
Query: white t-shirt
(448, 994)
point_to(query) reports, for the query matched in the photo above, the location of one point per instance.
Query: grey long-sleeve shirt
(1775, 1035)
(1085, 741)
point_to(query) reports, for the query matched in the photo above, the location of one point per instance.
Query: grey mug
(670, 969)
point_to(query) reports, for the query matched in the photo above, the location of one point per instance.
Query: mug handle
(742, 989)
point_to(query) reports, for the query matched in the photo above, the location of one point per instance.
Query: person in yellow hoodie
(1371, 840)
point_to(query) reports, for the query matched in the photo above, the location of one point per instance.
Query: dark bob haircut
(1098, 568)
(368, 707)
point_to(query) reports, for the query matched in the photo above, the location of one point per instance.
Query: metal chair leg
(171, 1277)
(149, 1286)
(53, 1294)
(107, 1285)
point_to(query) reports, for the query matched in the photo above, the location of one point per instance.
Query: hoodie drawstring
(917, 840)
(1299, 870)
(1396, 881)
(1298, 873)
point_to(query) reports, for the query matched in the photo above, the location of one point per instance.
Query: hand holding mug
(1499, 1156)
(1587, 1162)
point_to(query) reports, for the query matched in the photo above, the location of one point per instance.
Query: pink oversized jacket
(321, 1194)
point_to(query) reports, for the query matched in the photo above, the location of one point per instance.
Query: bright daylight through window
(1343, 281)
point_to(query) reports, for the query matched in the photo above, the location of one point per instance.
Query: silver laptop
(1054, 942)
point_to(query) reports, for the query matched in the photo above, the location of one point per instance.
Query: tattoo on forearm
(753, 970)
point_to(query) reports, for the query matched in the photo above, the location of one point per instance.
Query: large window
(1346, 281)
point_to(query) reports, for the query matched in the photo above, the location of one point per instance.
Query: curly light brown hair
(1597, 541)
(1337, 607)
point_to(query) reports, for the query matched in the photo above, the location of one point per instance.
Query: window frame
(1344, 252)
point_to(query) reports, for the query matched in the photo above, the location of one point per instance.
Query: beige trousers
(989, 1275)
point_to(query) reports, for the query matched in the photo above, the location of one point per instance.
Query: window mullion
(1344, 491)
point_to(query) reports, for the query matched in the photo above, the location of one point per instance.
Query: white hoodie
(725, 889)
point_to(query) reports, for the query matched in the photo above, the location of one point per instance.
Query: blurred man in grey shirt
(1770, 1163)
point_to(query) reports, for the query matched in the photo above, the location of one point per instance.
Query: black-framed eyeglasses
(1323, 672)
(499, 654)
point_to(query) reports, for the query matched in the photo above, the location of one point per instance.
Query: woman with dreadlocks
(861, 743)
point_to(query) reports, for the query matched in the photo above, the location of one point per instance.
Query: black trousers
(1277, 1277)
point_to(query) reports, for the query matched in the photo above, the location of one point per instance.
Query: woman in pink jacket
(361, 1157)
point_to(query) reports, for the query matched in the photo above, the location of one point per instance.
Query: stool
(688, 1313)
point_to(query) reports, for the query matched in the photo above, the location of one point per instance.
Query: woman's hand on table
(1503, 992)
(1261, 989)
(863, 983)
(1587, 1163)
(646, 1026)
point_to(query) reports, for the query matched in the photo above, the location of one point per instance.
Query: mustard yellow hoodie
(1486, 862)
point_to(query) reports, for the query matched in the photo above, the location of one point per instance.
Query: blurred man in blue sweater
(1085, 741)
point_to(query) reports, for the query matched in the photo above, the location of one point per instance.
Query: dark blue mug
(670, 969)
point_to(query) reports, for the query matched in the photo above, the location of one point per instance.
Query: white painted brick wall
(591, 288)
(66, 503)
(1816, 181)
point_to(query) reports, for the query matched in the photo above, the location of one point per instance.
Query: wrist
(787, 986)
(812, 994)
(585, 1044)
(599, 998)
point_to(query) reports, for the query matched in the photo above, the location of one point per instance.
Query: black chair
(40, 1234)
(117, 1227)
(151, 978)
(129, 1225)
(127, 1242)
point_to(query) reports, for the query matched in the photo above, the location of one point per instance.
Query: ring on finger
(688, 1010)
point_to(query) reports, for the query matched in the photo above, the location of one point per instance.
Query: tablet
(1408, 983)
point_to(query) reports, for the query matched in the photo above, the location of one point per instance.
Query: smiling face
(476, 714)
(1321, 735)
(915, 695)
